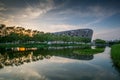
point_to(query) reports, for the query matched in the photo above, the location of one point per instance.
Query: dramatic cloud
(58, 15)
(2, 7)
(19, 16)
(36, 10)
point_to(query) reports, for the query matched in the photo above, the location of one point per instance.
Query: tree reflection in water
(16, 58)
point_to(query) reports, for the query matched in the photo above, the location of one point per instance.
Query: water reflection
(21, 73)
(58, 67)
(16, 58)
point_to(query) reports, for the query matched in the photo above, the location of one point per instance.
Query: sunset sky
(103, 16)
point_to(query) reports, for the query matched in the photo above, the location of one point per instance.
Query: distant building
(83, 33)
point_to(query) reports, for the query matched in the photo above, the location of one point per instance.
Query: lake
(59, 64)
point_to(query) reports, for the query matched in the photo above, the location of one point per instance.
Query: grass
(89, 51)
(115, 54)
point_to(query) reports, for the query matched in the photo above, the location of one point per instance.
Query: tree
(12, 37)
(86, 40)
(100, 43)
(39, 37)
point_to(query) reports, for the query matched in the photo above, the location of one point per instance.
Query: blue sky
(103, 16)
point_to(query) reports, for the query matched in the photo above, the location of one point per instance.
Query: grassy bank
(115, 54)
(89, 51)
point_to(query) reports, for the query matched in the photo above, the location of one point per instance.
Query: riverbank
(115, 54)
(89, 51)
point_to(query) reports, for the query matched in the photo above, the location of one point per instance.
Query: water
(57, 65)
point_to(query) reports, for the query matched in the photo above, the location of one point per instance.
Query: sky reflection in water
(60, 68)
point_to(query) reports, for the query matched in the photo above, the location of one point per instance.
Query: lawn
(115, 54)
(89, 51)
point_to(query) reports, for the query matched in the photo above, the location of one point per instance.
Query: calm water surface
(56, 65)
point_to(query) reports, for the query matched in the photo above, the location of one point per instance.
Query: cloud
(58, 27)
(2, 7)
(6, 19)
(21, 73)
(24, 15)
(2, 4)
(86, 8)
(108, 34)
(36, 10)
(50, 27)
(62, 60)
(91, 15)
(101, 11)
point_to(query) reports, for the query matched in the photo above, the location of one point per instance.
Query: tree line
(41, 37)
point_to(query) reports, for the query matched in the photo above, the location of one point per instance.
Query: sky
(102, 16)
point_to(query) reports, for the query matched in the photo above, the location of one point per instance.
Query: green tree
(100, 43)
(12, 37)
